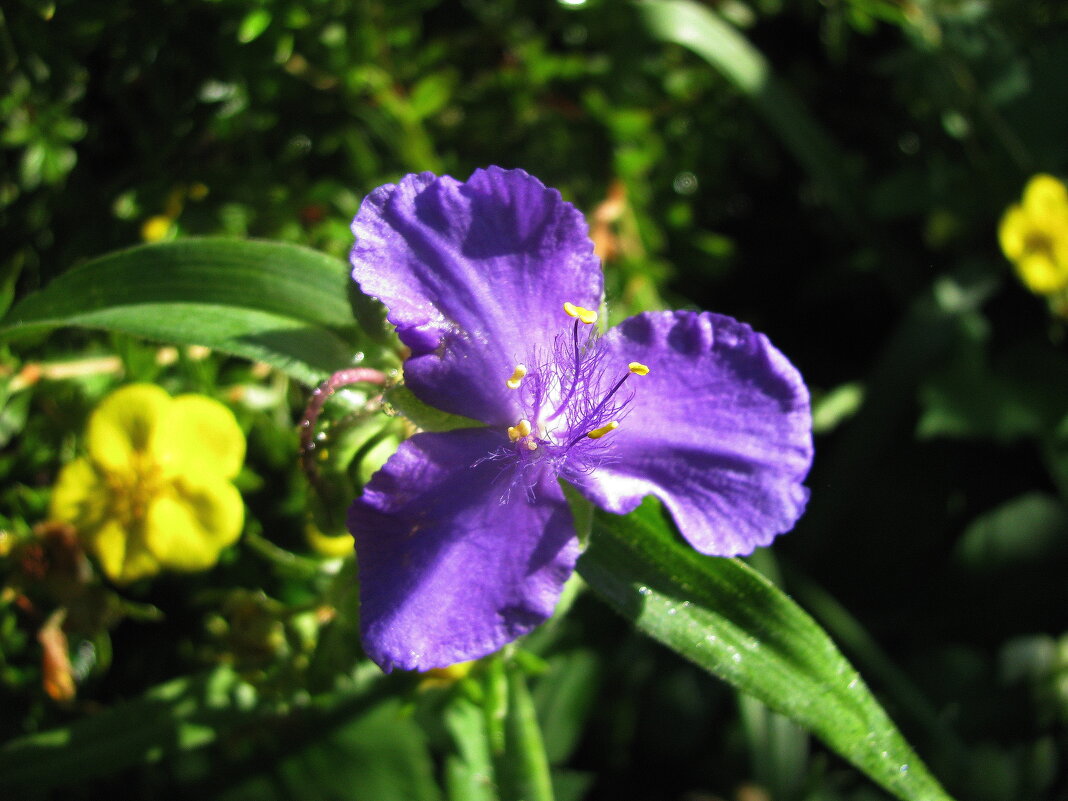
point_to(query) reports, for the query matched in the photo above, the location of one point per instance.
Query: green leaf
(468, 772)
(431, 94)
(565, 698)
(426, 417)
(727, 618)
(525, 766)
(513, 734)
(778, 748)
(379, 755)
(1019, 393)
(1025, 530)
(701, 30)
(182, 715)
(278, 303)
(10, 270)
(253, 25)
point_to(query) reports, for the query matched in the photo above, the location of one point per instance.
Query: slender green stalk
(528, 766)
(520, 765)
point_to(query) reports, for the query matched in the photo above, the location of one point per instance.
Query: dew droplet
(685, 183)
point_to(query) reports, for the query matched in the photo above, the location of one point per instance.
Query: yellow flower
(154, 491)
(331, 546)
(1034, 235)
(158, 228)
(446, 676)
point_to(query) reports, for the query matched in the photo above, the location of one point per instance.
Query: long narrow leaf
(726, 49)
(279, 303)
(183, 714)
(526, 764)
(731, 621)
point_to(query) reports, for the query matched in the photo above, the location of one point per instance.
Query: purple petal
(452, 564)
(474, 274)
(719, 430)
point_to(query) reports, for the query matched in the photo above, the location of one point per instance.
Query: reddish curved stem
(319, 397)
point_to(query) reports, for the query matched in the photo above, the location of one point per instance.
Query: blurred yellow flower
(154, 491)
(1034, 235)
(330, 546)
(158, 228)
(446, 676)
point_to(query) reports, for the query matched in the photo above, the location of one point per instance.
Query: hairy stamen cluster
(571, 398)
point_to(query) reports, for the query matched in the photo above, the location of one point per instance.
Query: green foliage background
(830, 172)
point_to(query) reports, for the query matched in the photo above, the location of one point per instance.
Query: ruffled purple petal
(474, 275)
(719, 430)
(453, 564)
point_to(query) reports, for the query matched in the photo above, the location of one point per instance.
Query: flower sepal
(424, 417)
(581, 512)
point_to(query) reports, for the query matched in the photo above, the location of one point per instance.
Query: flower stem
(520, 763)
(321, 394)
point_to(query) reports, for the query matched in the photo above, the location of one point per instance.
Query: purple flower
(464, 537)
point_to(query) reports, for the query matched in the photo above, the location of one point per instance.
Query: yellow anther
(586, 315)
(532, 445)
(597, 433)
(517, 376)
(638, 368)
(519, 430)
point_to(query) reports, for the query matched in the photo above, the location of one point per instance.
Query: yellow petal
(187, 528)
(200, 438)
(446, 676)
(121, 553)
(339, 546)
(1042, 274)
(158, 228)
(124, 423)
(80, 496)
(1012, 232)
(1045, 195)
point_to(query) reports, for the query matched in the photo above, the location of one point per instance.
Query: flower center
(571, 396)
(132, 491)
(1039, 243)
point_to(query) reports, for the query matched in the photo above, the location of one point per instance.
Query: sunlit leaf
(253, 25)
(278, 303)
(730, 620)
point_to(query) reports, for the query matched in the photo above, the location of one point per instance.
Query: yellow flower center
(1039, 243)
(133, 490)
